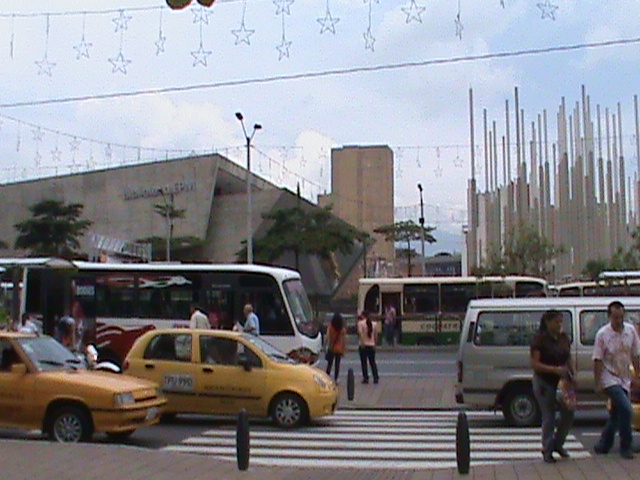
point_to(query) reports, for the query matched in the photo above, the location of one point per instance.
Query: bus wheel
(520, 407)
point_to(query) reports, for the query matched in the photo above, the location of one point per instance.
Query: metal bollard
(351, 383)
(463, 445)
(242, 440)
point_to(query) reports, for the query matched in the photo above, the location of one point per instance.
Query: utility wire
(330, 73)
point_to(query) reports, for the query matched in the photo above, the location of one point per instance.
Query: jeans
(331, 356)
(368, 354)
(552, 438)
(619, 420)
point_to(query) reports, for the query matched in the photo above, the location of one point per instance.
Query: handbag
(566, 393)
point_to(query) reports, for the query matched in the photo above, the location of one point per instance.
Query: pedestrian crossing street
(386, 439)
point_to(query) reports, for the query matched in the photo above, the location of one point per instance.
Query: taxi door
(168, 361)
(224, 385)
(16, 389)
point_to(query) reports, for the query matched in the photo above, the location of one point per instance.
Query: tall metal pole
(421, 221)
(248, 139)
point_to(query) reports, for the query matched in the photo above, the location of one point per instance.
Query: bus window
(166, 295)
(115, 295)
(456, 297)
(262, 292)
(530, 289)
(501, 290)
(569, 292)
(421, 298)
(372, 300)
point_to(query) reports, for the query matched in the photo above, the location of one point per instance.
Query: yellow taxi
(220, 372)
(43, 386)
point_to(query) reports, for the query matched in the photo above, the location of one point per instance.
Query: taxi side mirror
(19, 369)
(244, 361)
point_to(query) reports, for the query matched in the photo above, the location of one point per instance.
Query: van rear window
(502, 329)
(592, 320)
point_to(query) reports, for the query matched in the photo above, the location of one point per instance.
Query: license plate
(179, 383)
(152, 413)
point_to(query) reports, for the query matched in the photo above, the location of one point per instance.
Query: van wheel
(520, 407)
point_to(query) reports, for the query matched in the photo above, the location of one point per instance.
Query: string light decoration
(44, 65)
(282, 9)
(548, 10)
(119, 62)
(328, 22)
(243, 34)
(82, 49)
(413, 12)
(201, 17)
(369, 39)
(159, 43)
(458, 22)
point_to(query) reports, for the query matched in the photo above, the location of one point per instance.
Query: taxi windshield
(300, 308)
(49, 355)
(268, 349)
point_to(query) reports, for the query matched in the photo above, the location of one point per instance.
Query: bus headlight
(123, 399)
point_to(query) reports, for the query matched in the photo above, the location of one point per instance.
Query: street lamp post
(421, 221)
(168, 208)
(248, 139)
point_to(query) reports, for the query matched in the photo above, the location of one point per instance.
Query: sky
(92, 84)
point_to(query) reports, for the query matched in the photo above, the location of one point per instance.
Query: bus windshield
(300, 307)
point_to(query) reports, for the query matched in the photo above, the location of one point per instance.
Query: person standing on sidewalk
(336, 341)
(550, 360)
(616, 348)
(390, 324)
(367, 346)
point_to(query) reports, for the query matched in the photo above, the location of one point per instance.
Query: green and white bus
(431, 309)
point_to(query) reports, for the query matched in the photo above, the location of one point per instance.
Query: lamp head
(239, 116)
(420, 187)
(257, 126)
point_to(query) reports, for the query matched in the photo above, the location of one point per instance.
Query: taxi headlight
(321, 382)
(122, 399)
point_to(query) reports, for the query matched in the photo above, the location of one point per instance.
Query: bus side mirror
(19, 369)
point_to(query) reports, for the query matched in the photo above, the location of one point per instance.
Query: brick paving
(41, 460)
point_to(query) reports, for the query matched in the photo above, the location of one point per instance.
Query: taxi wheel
(289, 410)
(120, 436)
(70, 425)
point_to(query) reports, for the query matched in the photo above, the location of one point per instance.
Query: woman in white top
(367, 346)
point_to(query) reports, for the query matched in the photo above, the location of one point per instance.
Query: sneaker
(365, 380)
(628, 454)
(375, 380)
(562, 452)
(599, 450)
(548, 458)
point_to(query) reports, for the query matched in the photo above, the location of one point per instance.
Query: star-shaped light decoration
(200, 56)
(413, 12)
(458, 162)
(548, 10)
(82, 49)
(45, 66)
(56, 154)
(283, 6)
(438, 171)
(459, 26)
(37, 158)
(160, 43)
(38, 134)
(201, 15)
(121, 21)
(369, 40)
(328, 23)
(242, 34)
(74, 144)
(119, 63)
(108, 152)
(283, 48)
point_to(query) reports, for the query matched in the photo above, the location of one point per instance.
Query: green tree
(54, 230)
(169, 213)
(303, 231)
(406, 231)
(593, 268)
(525, 252)
(181, 247)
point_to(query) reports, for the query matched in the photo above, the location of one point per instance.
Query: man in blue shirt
(252, 322)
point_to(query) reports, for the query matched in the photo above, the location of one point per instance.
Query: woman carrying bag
(336, 342)
(550, 360)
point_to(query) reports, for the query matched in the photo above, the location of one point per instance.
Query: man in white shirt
(198, 318)
(252, 322)
(616, 348)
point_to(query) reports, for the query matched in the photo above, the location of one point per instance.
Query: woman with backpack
(336, 342)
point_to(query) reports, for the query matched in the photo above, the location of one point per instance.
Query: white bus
(625, 284)
(431, 309)
(116, 303)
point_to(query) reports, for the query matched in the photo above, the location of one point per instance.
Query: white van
(493, 358)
